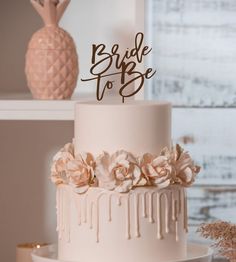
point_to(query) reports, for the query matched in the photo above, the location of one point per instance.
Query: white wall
(105, 21)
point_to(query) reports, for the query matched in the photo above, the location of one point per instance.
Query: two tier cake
(121, 186)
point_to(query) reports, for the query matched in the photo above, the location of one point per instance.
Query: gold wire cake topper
(105, 61)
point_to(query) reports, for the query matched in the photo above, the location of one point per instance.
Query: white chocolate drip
(185, 212)
(150, 205)
(176, 231)
(109, 209)
(144, 206)
(97, 216)
(180, 192)
(134, 205)
(127, 214)
(57, 209)
(167, 223)
(97, 221)
(78, 204)
(119, 201)
(159, 217)
(136, 215)
(63, 214)
(173, 206)
(91, 215)
(85, 208)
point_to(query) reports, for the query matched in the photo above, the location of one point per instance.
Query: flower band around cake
(122, 171)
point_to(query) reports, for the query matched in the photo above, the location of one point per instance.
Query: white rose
(156, 170)
(118, 172)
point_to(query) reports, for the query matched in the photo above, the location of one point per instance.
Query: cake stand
(195, 253)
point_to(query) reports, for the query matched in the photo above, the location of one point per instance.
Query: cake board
(195, 253)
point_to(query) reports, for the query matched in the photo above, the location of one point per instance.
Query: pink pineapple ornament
(51, 59)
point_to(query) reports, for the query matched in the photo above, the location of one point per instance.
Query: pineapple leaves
(38, 7)
(61, 7)
(50, 11)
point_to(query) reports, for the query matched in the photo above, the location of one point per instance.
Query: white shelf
(23, 107)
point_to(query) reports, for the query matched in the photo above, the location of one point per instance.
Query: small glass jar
(23, 251)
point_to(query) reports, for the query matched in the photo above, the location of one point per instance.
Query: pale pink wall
(18, 21)
(27, 196)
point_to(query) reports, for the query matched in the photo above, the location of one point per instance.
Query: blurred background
(194, 52)
(195, 55)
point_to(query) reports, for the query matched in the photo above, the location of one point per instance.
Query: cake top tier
(128, 103)
(136, 126)
(122, 146)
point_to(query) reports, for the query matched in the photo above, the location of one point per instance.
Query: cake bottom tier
(144, 225)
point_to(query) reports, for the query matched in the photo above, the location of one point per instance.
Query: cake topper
(103, 62)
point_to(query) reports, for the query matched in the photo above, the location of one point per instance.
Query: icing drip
(159, 217)
(57, 209)
(179, 200)
(67, 204)
(119, 201)
(176, 211)
(144, 207)
(185, 212)
(85, 209)
(97, 215)
(109, 207)
(63, 196)
(167, 228)
(97, 221)
(146, 203)
(127, 211)
(176, 231)
(150, 213)
(91, 215)
(78, 204)
(173, 205)
(63, 214)
(136, 214)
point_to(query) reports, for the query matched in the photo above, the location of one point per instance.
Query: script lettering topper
(126, 65)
